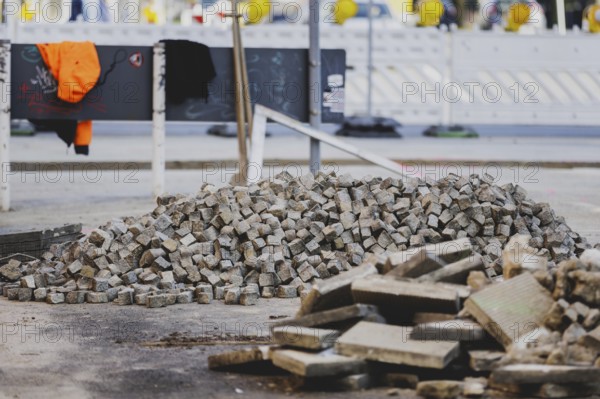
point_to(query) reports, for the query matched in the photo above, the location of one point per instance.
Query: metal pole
(314, 84)
(560, 17)
(5, 125)
(370, 61)
(240, 109)
(158, 121)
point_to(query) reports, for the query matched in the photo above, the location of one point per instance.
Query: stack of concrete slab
(444, 332)
(280, 237)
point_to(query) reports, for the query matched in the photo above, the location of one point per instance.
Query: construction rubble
(448, 330)
(451, 287)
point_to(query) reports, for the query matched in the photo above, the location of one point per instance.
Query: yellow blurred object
(592, 15)
(430, 12)
(518, 14)
(343, 10)
(29, 10)
(254, 11)
(150, 14)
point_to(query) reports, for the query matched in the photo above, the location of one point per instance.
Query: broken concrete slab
(321, 364)
(239, 357)
(451, 330)
(390, 344)
(408, 295)
(541, 374)
(456, 272)
(334, 292)
(485, 360)
(305, 337)
(422, 262)
(448, 251)
(347, 314)
(548, 390)
(520, 301)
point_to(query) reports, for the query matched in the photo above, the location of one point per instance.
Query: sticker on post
(334, 100)
(336, 80)
(136, 59)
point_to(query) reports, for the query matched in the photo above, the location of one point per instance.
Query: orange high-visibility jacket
(76, 68)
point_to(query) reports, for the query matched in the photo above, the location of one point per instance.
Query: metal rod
(370, 61)
(261, 113)
(239, 102)
(5, 126)
(314, 83)
(245, 85)
(158, 121)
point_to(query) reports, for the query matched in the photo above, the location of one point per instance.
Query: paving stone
(422, 262)
(456, 272)
(519, 301)
(125, 297)
(25, 294)
(11, 271)
(96, 297)
(100, 284)
(28, 282)
(232, 296)
(321, 364)
(55, 298)
(75, 297)
(418, 297)
(205, 298)
(334, 292)
(385, 343)
(268, 292)
(39, 295)
(13, 293)
(485, 360)
(347, 314)
(591, 340)
(140, 299)
(170, 299)
(246, 356)
(449, 251)
(185, 297)
(287, 291)
(87, 271)
(450, 330)
(156, 300)
(248, 298)
(442, 389)
(541, 374)
(304, 337)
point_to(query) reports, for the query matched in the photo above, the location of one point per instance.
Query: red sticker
(136, 59)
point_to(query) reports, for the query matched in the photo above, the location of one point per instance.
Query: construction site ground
(109, 351)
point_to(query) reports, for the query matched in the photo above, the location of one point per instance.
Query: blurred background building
(467, 14)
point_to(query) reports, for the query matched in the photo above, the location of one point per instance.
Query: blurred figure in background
(89, 11)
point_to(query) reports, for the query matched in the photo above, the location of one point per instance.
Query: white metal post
(561, 17)
(5, 125)
(370, 61)
(158, 120)
(314, 83)
(447, 77)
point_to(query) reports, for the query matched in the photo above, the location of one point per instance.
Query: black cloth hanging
(66, 129)
(189, 69)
